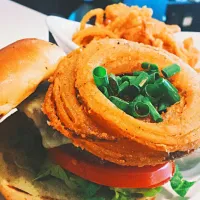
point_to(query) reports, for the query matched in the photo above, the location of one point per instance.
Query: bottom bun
(18, 168)
(13, 193)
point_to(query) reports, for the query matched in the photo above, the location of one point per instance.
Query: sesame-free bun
(23, 66)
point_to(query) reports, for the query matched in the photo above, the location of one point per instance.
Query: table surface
(17, 22)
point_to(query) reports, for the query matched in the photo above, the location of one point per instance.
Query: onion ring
(77, 109)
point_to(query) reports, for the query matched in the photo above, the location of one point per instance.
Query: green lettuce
(86, 188)
(92, 191)
(179, 185)
(89, 190)
(125, 194)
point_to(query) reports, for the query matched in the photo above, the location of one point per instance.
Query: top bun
(24, 65)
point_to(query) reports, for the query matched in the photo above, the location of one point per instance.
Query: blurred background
(185, 13)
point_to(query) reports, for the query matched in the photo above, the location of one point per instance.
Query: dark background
(170, 11)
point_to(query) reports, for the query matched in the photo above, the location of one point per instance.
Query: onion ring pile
(76, 107)
(135, 24)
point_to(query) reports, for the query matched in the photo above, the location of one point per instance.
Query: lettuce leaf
(56, 171)
(86, 188)
(125, 194)
(179, 185)
(89, 190)
(121, 194)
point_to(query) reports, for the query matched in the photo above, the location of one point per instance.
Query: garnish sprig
(144, 93)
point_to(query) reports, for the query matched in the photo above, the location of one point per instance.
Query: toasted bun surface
(24, 64)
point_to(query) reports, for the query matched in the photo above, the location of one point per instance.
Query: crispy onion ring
(135, 24)
(77, 109)
(98, 12)
(92, 31)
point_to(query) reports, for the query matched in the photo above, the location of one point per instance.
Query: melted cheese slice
(32, 108)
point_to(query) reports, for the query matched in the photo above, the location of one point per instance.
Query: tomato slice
(111, 174)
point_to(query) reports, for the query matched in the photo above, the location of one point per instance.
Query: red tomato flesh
(111, 174)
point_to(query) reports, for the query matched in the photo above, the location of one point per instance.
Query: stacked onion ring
(75, 106)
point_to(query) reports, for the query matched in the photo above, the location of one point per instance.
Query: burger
(107, 125)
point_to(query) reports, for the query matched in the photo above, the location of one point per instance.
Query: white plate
(63, 29)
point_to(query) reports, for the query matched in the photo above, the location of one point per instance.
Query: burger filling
(144, 94)
(36, 159)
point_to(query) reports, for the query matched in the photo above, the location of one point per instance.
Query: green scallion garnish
(150, 67)
(141, 94)
(146, 65)
(171, 70)
(100, 76)
(153, 68)
(169, 92)
(172, 86)
(121, 104)
(130, 79)
(141, 80)
(163, 107)
(119, 80)
(139, 109)
(137, 73)
(104, 90)
(153, 92)
(123, 87)
(139, 98)
(153, 77)
(153, 112)
(133, 89)
(113, 84)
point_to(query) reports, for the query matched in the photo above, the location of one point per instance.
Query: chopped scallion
(169, 91)
(100, 76)
(146, 65)
(171, 70)
(139, 109)
(163, 107)
(153, 112)
(153, 92)
(141, 94)
(130, 79)
(150, 66)
(119, 80)
(153, 77)
(141, 80)
(153, 68)
(113, 84)
(137, 73)
(121, 104)
(172, 86)
(123, 86)
(104, 90)
(139, 98)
